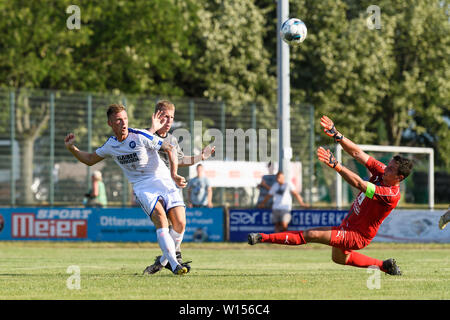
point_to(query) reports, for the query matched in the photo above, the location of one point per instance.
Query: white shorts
(148, 199)
(279, 216)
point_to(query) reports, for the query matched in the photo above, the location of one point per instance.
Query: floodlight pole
(285, 150)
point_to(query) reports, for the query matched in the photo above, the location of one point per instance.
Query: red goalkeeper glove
(328, 158)
(330, 130)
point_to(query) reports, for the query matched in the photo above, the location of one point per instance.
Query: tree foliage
(383, 86)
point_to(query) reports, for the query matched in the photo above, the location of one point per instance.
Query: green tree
(128, 46)
(234, 64)
(384, 86)
(36, 52)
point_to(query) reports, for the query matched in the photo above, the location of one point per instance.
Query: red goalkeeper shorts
(347, 239)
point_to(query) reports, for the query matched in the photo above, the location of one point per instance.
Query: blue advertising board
(95, 224)
(245, 221)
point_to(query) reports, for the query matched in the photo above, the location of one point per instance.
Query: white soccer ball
(293, 31)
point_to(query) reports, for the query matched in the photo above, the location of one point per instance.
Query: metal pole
(124, 178)
(89, 137)
(431, 180)
(13, 138)
(52, 147)
(285, 151)
(338, 178)
(224, 145)
(254, 116)
(191, 125)
(311, 151)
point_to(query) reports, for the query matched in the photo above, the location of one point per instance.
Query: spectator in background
(97, 195)
(199, 190)
(281, 192)
(266, 183)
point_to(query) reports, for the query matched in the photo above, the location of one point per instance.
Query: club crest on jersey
(132, 144)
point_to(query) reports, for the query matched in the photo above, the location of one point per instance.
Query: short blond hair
(114, 108)
(164, 105)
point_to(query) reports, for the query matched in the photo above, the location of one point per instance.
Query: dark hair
(113, 109)
(404, 166)
(279, 172)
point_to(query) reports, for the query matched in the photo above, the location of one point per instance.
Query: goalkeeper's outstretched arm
(352, 178)
(351, 148)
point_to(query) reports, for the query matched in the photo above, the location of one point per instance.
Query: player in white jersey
(154, 186)
(162, 121)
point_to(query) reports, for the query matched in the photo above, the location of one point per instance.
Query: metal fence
(36, 168)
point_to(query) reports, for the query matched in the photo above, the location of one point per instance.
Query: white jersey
(282, 199)
(138, 157)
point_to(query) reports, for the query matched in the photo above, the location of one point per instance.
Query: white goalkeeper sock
(167, 246)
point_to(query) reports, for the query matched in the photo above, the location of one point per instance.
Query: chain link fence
(36, 169)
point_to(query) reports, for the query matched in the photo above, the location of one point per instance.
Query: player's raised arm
(352, 178)
(84, 157)
(158, 121)
(299, 198)
(187, 161)
(351, 148)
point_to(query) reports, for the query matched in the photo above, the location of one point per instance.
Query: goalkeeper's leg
(315, 235)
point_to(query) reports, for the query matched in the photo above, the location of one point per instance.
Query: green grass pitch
(220, 271)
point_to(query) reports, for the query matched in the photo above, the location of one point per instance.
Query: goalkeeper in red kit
(377, 198)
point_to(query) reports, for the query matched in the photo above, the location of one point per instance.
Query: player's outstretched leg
(356, 259)
(286, 238)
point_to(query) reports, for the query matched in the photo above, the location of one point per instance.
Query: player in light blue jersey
(154, 184)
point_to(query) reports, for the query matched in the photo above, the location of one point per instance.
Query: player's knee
(337, 259)
(179, 226)
(338, 256)
(311, 235)
(178, 222)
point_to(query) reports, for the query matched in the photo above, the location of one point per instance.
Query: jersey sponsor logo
(132, 144)
(128, 158)
(25, 225)
(358, 202)
(281, 190)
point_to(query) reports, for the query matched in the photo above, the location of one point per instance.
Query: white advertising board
(413, 226)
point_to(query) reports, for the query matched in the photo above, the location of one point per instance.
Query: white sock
(167, 246)
(177, 239)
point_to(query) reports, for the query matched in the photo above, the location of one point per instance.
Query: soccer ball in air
(293, 31)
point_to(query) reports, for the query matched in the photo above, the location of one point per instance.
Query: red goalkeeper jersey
(368, 211)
